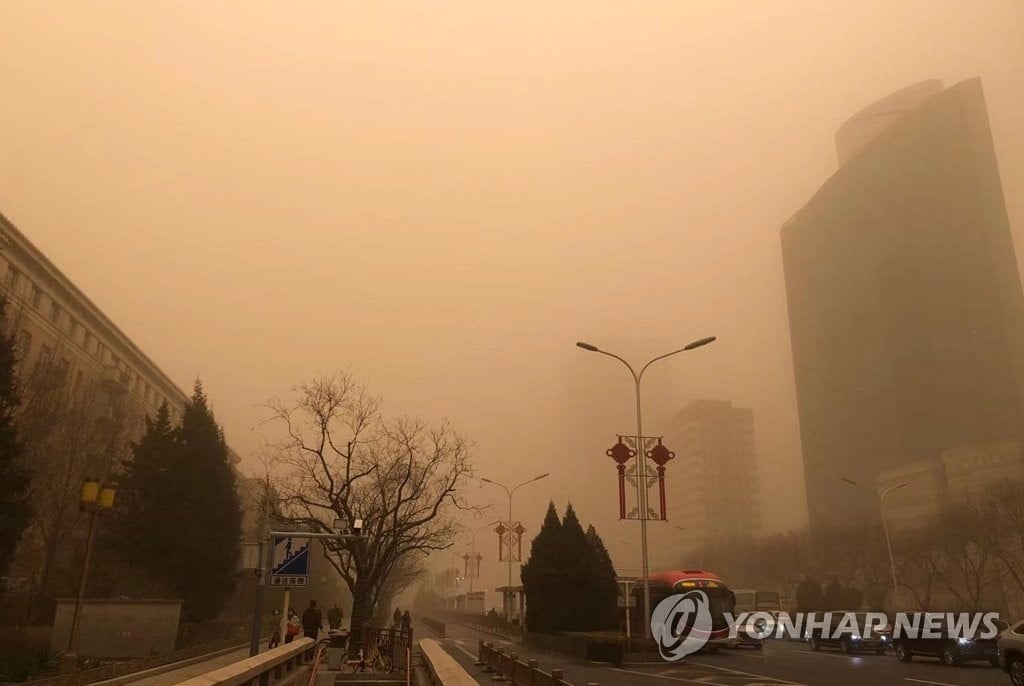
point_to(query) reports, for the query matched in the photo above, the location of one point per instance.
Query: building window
(73, 330)
(55, 311)
(37, 296)
(25, 344)
(13, 279)
(78, 379)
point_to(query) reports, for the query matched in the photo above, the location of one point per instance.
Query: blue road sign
(290, 563)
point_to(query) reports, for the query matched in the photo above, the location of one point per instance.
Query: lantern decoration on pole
(510, 541)
(472, 565)
(660, 455)
(641, 448)
(622, 454)
(501, 530)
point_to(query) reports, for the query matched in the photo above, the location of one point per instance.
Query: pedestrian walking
(406, 622)
(396, 618)
(312, 621)
(292, 625)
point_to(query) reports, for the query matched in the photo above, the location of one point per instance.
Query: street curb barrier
(509, 668)
(263, 669)
(442, 669)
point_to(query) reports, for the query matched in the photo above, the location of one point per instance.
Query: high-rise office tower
(905, 306)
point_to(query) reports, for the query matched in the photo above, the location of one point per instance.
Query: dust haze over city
(443, 198)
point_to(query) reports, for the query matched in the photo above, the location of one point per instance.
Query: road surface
(780, 663)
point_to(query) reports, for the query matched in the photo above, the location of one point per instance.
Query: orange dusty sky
(445, 196)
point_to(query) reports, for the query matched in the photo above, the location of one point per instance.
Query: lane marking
(937, 683)
(838, 655)
(759, 676)
(657, 676)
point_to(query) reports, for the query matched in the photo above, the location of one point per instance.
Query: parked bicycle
(377, 659)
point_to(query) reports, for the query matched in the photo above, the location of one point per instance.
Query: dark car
(1011, 653)
(846, 640)
(952, 651)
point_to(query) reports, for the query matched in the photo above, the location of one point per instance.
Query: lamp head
(587, 346)
(701, 342)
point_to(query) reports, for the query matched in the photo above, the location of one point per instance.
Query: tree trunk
(360, 611)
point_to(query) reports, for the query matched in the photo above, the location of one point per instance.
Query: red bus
(664, 584)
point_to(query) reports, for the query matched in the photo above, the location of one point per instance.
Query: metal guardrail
(260, 670)
(478, 622)
(396, 643)
(508, 667)
(119, 669)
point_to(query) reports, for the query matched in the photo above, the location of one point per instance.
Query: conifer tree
(577, 566)
(143, 529)
(541, 577)
(208, 514)
(605, 588)
(14, 478)
(179, 517)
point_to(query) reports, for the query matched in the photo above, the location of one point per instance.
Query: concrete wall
(119, 628)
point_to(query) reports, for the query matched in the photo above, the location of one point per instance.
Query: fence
(394, 642)
(508, 666)
(490, 624)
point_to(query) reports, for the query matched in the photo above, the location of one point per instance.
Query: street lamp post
(885, 526)
(510, 522)
(95, 499)
(642, 460)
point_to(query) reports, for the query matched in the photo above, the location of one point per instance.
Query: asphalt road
(780, 663)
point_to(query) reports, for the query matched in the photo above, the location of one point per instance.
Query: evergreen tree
(541, 578)
(179, 516)
(142, 529)
(208, 516)
(577, 565)
(14, 478)
(605, 588)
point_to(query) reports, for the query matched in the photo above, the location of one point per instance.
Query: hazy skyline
(444, 198)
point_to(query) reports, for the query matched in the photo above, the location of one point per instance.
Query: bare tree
(69, 432)
(342, 459)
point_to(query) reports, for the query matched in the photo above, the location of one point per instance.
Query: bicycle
(379, 660)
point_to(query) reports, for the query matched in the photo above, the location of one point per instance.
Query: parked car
(848, 641)
(952, 651)
(1011, 653)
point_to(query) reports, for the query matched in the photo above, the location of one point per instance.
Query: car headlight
(855, 637)
(963, 641)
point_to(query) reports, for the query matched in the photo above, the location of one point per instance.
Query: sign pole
(257, 615)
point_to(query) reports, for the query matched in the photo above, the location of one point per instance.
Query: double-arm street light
(642, 460)
(885, 525)
(510, 493)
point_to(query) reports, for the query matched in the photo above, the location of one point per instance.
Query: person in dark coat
(312, 621)
(406, 621)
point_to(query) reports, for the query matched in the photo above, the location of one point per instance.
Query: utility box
(118, 629)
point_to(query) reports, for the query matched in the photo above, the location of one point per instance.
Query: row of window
(78, 334)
